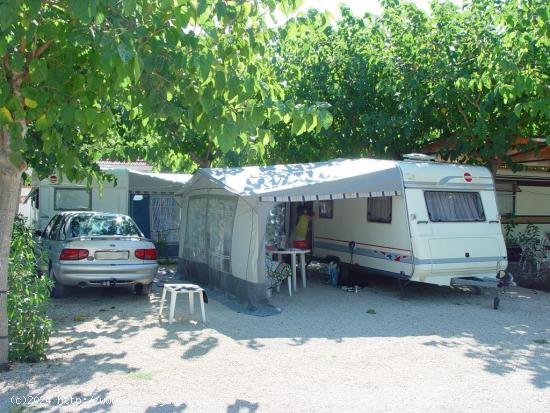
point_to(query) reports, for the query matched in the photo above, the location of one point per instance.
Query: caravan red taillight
(73, 254)
(146, 254)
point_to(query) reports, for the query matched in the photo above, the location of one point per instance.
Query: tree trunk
(10, 191)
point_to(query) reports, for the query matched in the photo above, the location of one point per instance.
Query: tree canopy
(476, 77)
(184, 80)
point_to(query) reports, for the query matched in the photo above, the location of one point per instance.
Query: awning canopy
(334, 179)
(148, 182)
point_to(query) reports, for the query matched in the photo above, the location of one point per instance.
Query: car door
(43, 244)
(54, 245)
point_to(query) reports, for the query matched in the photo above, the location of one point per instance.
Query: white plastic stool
(176, 289)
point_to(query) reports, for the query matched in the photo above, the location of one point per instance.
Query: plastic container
(301, 244)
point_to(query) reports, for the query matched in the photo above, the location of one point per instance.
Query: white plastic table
(176, 289)
(293, 252)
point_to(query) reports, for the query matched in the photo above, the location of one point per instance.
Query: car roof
(92, 213)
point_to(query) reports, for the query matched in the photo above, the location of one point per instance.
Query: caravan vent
(418, 157)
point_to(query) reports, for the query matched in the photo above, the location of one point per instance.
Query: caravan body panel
(385, 247)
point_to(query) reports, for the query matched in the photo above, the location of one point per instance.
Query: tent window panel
(165, 217)
(72, 199)
(379, 209)
(220, 219)
(195, 230)
(275, 226)
(506, 202)
(447, 206)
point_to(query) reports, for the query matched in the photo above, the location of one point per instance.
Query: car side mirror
(38, 233)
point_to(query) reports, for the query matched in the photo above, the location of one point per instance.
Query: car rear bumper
(98, 275)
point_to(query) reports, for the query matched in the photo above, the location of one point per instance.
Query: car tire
(58, 289)
(143, 289)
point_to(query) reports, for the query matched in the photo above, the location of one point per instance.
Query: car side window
(55, 229)
(46, 232)
(62, 234)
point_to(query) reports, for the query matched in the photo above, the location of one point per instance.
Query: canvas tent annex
(225, 212)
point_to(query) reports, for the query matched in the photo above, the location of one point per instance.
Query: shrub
(28, 326)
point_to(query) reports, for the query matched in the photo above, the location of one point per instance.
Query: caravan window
(72, 199)
(379, 209)
(446, 206)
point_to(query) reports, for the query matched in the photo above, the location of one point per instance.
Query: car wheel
(58, 289)
(143, 289)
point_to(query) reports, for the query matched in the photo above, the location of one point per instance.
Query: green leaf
(486, 79)
(298, 126)
(8, 14)
(219, 81)
(518, 109)
(81, 10)
(137, 69)
(128, 7)
(125, 52)
(41, 123)
(207, 98)
(38, 70)
(17, 61)
(182, 17)
(67, 113)
(205, 63)
(325, 118)
(5, 115)
(233, 87)
(34, 8)
(257, 115)
(227, 137)
(30, 103)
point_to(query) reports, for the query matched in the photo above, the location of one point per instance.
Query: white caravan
(443, 227)
(415, 220)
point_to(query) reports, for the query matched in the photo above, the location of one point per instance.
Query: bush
(28, 326)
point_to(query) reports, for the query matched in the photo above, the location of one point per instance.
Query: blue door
(140, 212)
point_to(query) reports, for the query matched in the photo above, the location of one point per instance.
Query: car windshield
(102, 225)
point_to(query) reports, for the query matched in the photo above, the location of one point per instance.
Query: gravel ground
(435, 350)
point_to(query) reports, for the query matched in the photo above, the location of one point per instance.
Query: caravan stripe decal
(458, 260)
(367, 252)
(363, 243)
(328, 197)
